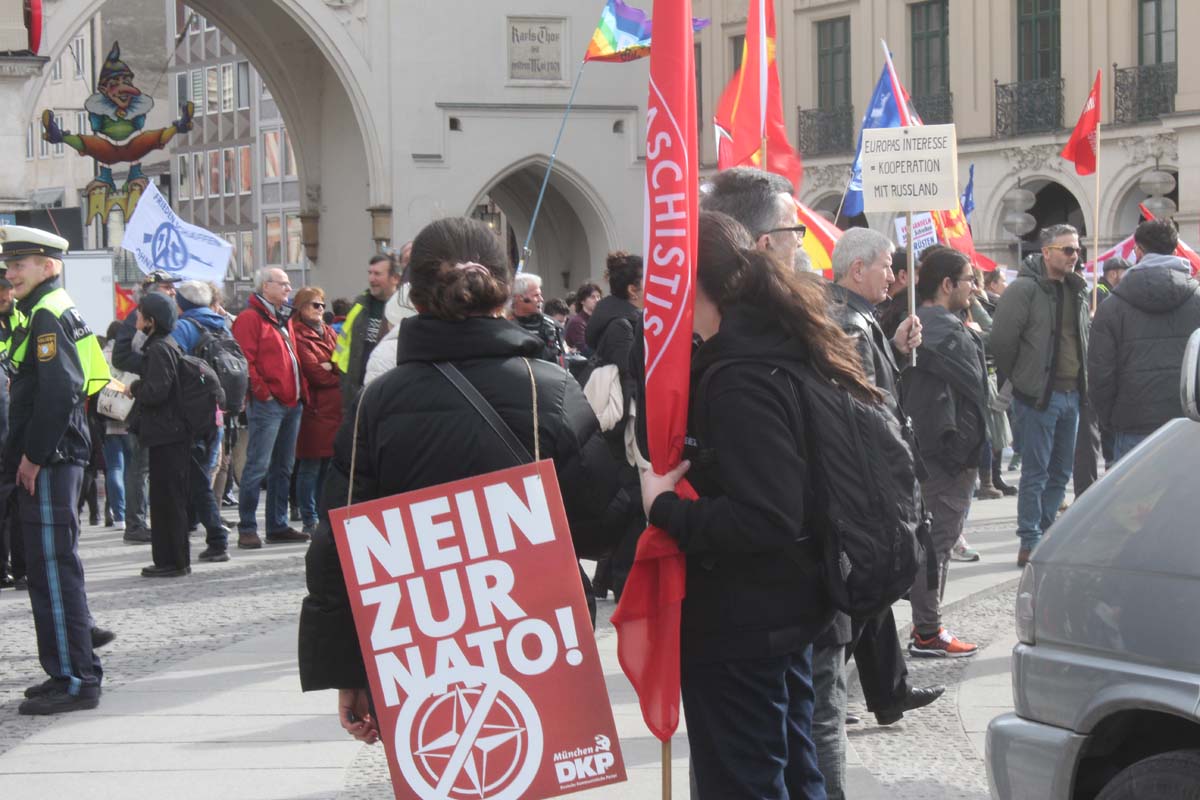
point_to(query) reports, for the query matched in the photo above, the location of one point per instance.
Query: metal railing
(1029, 107)
(823, 131)
(935, 109)
(1144, 93)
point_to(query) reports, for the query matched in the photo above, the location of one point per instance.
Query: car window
(1145, 516)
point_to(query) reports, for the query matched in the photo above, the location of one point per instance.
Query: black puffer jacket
(753, 583)
(1136, 350)
(156, 417)
(415, 430)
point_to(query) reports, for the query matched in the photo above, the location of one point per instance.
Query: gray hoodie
(1156, 260)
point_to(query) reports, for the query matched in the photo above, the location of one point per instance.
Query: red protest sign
(475, 634)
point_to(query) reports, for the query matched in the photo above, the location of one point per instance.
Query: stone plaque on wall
(536, 49)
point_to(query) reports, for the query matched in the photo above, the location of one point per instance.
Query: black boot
(997, 482)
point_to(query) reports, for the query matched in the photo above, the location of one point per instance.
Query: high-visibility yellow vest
(341, 352)
(16, 320)
(95, 369)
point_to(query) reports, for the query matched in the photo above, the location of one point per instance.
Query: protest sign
(910, 169)
(476, 638)
(159, 239)
(924, 233)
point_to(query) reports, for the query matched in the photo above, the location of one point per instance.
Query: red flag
(647, 618)
(750, 110)
(125, 303)
(1081, 147)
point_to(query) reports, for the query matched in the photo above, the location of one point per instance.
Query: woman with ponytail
(755, 600)
(411, 428)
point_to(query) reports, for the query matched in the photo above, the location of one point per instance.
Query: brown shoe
(287, 535)
(1023, 556)
(249, 541)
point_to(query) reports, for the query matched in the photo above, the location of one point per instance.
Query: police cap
(18, 241)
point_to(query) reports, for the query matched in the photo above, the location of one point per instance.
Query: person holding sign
(413, 428)
(755, 600)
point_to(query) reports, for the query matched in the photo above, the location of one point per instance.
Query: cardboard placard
(910, 169)
(475, 633)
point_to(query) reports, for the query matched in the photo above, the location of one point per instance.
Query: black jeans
(169, 505)
(749, 727)
(203, 502)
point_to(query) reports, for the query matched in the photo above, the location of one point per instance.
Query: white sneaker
(963, 552)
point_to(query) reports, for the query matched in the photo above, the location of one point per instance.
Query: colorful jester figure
(117, 113)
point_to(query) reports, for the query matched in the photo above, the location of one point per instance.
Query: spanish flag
(819, 239)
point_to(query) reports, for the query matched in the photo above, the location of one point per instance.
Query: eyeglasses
(1067, 249)
(799, 230)
(971, 278)
(318, 305)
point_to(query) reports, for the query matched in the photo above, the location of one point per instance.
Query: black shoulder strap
(485, 409)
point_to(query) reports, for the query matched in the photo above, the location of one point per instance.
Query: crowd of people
(451, 365)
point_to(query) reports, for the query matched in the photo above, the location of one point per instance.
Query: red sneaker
(943, 645)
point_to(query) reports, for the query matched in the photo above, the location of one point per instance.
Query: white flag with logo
(159, 239)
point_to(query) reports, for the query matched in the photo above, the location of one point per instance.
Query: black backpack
(867, 508)
(224, 355)
(200, 395)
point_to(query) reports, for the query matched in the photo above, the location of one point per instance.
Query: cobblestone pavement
(928, 754)
(157, 621)
(164, 622)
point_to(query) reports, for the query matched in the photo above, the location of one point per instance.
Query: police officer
(56, 363)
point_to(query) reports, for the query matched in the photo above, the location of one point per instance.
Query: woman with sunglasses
(322, 413)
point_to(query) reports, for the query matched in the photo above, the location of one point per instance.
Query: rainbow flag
(624, 34)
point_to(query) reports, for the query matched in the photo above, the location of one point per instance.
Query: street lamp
(381, 225)
(1018, 221)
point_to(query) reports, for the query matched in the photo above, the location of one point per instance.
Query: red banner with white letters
(648, 615)
(475, 634)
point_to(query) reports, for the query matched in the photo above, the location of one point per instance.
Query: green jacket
(1025, 332)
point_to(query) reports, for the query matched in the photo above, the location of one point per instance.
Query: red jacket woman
(322, 415)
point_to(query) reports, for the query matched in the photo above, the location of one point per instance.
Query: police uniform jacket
(48, 415)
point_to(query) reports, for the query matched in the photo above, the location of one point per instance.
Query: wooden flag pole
(1096, 227)
(666, 769)
(912, 281)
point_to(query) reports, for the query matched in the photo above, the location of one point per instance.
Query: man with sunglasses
(1039, 338)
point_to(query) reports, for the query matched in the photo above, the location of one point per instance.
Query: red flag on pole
(1081, 147)
(750, 112)
(647, 618)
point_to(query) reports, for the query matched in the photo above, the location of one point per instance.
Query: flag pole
(666, 769)
(845, 192)
(550, 167)
(912, 281)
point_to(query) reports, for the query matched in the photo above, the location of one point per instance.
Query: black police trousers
(56, 586)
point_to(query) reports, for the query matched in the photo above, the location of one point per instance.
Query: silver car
(1106, 677)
